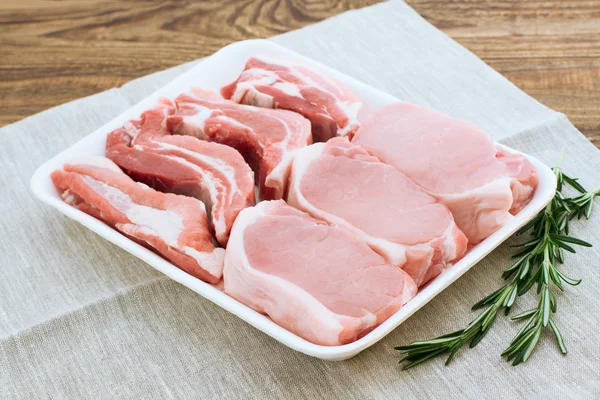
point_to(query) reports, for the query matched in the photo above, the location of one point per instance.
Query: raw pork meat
(266, 138)
(175, 226)
(211, 172)
(275, 83)
(341, 183)
(321, 282)
(455, 162)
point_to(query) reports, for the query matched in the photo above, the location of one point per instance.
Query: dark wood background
(55, 51)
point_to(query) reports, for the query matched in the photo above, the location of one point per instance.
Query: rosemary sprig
(537, 262)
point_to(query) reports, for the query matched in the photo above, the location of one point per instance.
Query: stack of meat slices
(346, 229)
(266, 138)
(213, 173)
(275, 83)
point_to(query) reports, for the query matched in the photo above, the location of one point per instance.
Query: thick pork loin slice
(213, 173)
(266, 138)
(321, 282)
(455, 162)
(174, 226)
(341, 183)
(276, 83)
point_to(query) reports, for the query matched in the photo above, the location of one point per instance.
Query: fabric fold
(80, 318)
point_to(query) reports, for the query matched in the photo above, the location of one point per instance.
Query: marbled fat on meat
(266, 138)
(211, 172)
(276, 83)
(174, 226)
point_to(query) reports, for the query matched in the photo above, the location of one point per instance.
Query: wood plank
(548, 48)
(54, 52)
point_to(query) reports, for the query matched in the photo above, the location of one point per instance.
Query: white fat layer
(165, 224)
(95, 161)
(212, 262)
(213, 185)
(489, 204)
(234, 122)
(351, 110)
(198, 119)
(478, 191)
(409, 291)
(131, 129)
(68, 196)
(278, 175)
(262, 77)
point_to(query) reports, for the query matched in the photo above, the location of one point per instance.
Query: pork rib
(174, 226)
(321, 282)
(455, 162)
(342, 184)
(266, 138)
(276, 83)
(213, 173)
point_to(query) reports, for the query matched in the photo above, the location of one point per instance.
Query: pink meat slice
(454, 161)
(211, 172)
(266, 138)
(321, 282)
(276, 83)
(174, 226)
(342, 184)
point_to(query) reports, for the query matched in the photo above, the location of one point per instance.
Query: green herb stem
(537, 263)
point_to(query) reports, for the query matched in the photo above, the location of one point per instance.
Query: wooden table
(52, 52)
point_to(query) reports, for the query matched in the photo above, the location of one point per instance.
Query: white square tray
(222, 68)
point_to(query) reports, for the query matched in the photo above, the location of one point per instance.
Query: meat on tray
(371, 212)
(276, 83)
(321, 282)
(174, 226)
(342, 184)
(454, 161)
(266, 138)
(214, 173)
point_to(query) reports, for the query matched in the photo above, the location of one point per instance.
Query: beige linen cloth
(81, 318)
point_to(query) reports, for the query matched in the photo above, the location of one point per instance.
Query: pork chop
(454, 161)
(342, 184)
(266, 138)
(211, 172)
(174, 226)
(276, 83)
(321, 282)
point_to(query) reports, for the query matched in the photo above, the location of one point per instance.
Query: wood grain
(57, 51)
(550, 49)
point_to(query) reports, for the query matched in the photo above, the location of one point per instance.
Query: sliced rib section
(213, 173)
(266, 138)
(276, 83)
(174, 226)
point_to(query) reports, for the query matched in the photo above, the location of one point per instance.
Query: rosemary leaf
(537, 262)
